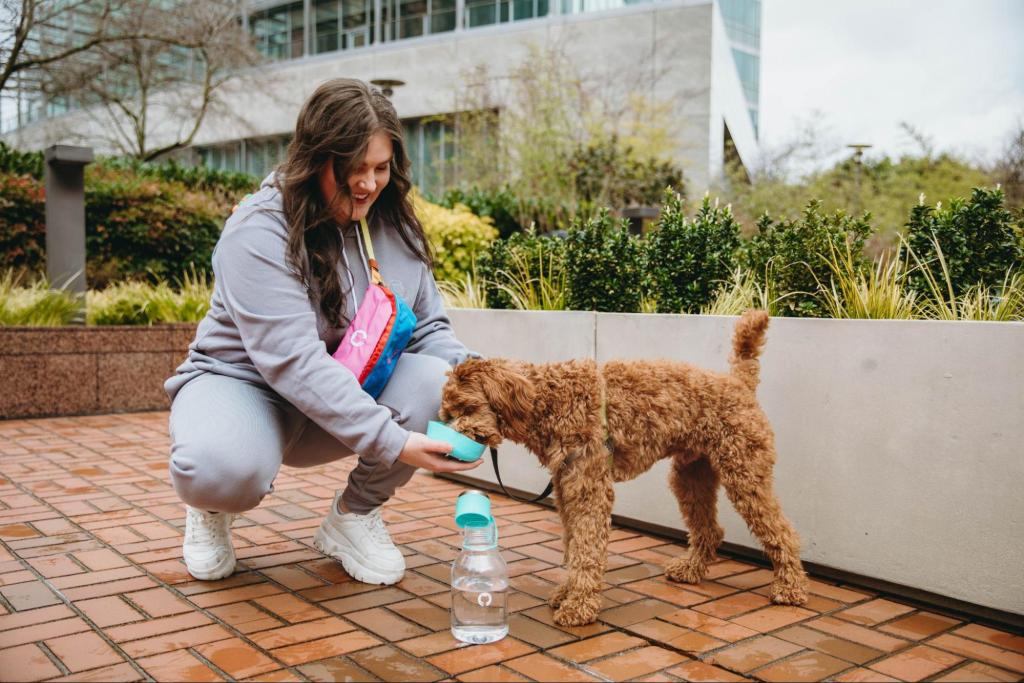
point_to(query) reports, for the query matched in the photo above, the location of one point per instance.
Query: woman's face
(364, 185)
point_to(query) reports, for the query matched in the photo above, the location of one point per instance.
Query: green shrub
(20, 163)
(978, 238)
(143, 303)
(225, 184)
(688, 259)
(456, 236)
(34, 303)
(139, 227)
(142, 220)
(501, 206)
(604, 266)
(794, 254)
(22, 222)
(525, 266)
(609, 173)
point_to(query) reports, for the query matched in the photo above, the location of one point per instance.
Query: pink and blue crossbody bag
(378, 334)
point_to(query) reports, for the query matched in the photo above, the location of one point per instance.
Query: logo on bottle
(484, 600)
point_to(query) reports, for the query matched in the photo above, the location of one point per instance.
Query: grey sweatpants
(229, 438)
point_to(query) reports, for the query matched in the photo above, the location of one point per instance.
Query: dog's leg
(587, 511)
(747, 479)
(558, 593)
(695, 486)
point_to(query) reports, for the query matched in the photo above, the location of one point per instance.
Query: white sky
(952, 68)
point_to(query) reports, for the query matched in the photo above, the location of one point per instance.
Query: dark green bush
(500, 205)
(137, 224)
(222, 183)
(604, 265)
(22, 222)
(16, 162)
(688, 259)
(979, 238)
(791, 255)
(503, 262)
(608, 173)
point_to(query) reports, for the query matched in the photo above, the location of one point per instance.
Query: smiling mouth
(360, 198)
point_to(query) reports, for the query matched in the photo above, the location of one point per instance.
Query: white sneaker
(361, 544)
(207, 550)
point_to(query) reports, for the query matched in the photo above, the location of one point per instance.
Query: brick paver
(92, 587)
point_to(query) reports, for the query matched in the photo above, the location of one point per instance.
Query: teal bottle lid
(473, 509)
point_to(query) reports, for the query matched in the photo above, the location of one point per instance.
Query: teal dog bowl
(463, 447)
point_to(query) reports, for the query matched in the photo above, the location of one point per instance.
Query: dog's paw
(789, 592)
(577, 611)
(685, 570)
(558, 595)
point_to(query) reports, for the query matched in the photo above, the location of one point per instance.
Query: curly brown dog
(710, 424)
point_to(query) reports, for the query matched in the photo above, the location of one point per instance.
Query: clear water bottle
(479, 575)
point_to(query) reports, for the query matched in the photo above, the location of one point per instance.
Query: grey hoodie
(263, 327)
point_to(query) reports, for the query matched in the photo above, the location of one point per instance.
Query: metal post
(65, 219)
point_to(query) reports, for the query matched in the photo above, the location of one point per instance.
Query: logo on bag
(358, 338)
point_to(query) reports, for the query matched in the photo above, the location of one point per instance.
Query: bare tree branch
(150, 92)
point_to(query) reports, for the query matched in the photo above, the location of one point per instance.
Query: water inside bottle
(479, 609)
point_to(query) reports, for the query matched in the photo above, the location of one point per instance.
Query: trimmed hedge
(605, 265)
(688, 259)
(790, 256)
(978, 237)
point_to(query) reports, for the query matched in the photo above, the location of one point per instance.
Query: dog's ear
(510, 393)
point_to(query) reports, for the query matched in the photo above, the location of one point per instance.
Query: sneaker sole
(344, 554)
(219, 571)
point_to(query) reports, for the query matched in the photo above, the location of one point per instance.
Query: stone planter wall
(48, 371)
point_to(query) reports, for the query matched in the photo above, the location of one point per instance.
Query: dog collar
(603, 388)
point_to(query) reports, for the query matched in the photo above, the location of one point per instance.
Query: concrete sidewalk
(92, 588)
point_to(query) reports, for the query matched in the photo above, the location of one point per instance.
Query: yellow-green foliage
(456, 235)
(141, 303)
(34, 303)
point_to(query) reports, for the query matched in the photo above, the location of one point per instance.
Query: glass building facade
(304, 28)
(281, 32)
(743, 24)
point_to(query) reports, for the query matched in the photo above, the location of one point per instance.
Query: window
(278, 31)
(430, 144)
(749, 68)
(341, 25)
(743, 21)
(255, 156)
(326, 14)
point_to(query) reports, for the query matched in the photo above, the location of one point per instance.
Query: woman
(259, 387)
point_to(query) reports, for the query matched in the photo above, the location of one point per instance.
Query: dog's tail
(747, 341)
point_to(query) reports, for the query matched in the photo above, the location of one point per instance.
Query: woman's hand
(432, 455)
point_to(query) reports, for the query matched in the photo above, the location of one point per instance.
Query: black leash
(497, 473)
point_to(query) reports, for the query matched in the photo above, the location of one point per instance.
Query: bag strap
(374, 268)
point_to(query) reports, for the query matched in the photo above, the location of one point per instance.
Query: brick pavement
(92, 588)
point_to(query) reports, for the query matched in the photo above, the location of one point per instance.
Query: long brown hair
(335, 125)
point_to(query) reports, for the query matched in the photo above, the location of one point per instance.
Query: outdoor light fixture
(858, 158)
(387, 85)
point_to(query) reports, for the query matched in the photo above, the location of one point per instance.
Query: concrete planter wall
(84, 370)
(901, 443)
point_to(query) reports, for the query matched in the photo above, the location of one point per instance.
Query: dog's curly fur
(710, 424)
